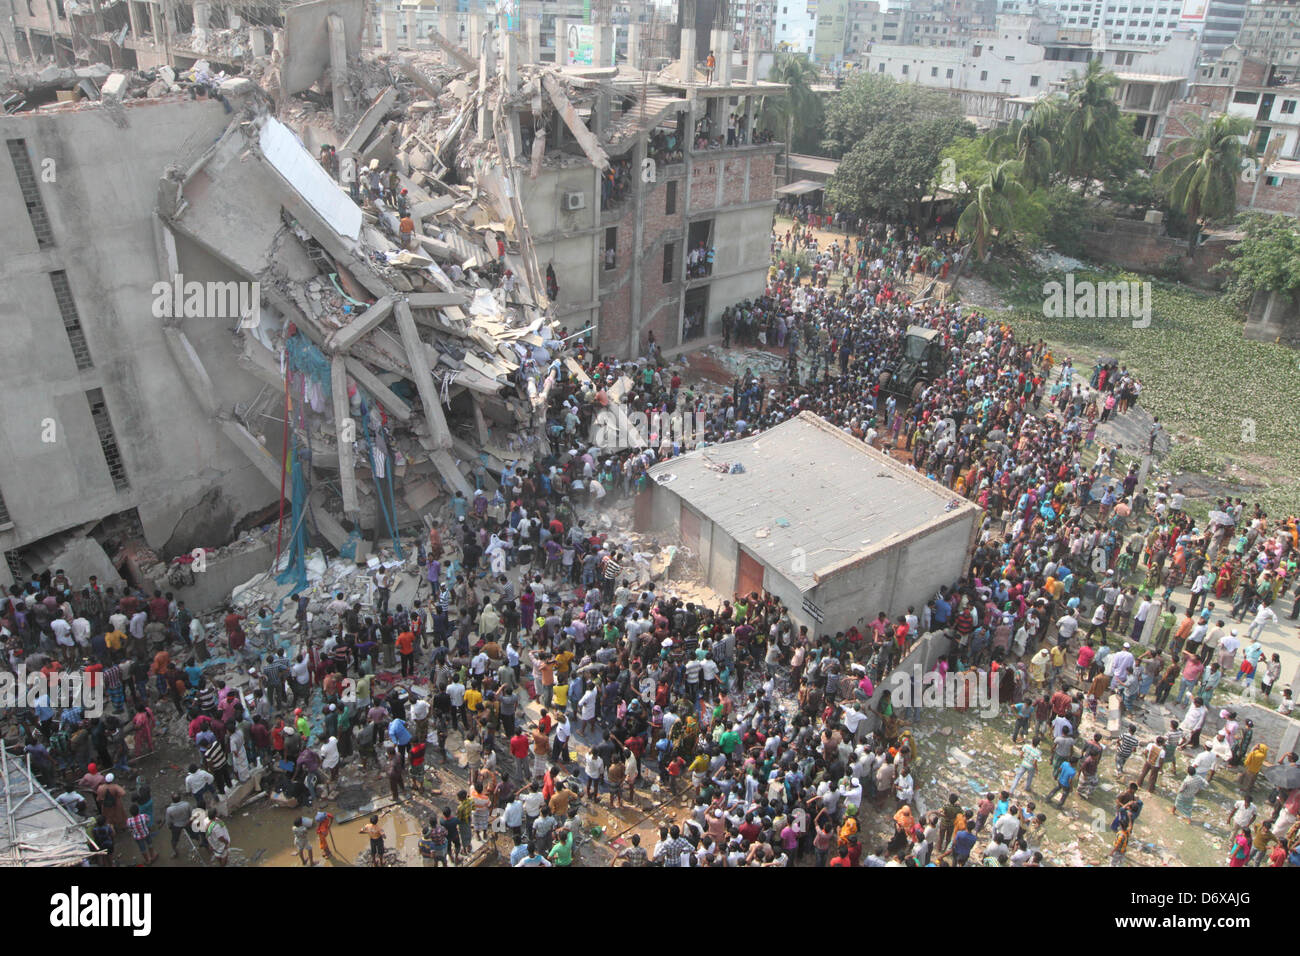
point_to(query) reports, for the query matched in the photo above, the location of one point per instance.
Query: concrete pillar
(561, 42)
(603, 54)
(634, 45)
(339, 64)
(475, 35)
(388, 30)
(751, 68)
(201, 10)
(257, 40)
(410, 28)
(533, 30)
(722, 53)
(688, 55)
(509, 54)
(133, 16)
(486, 67)
(449, 26)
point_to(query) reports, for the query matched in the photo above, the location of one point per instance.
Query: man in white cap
(1123, 664)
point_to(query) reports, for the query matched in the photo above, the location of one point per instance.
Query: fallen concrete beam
(451, 474)
(586, 139)
(369, 120)
(436, 300)
(417, 356)
(192, 369)
(338, 44)
(382, 393)
(417, 76)
(345, 430)
(256, 453)
(463, 60)
(342, 339)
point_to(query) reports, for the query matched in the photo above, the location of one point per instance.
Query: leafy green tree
(892, 170)
(1031, 142)
(1266, 261)
(1202, 176)
(871, 101)
(990, 214)
(1089, 123)
(798, 110)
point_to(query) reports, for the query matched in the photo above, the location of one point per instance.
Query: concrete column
(133, 16)
(634, 45)
(201, 10)
(561, 42)
(688, 55)
(388, 30)
(486, 67)
(603, 54)
(449, 26)
(751, 68)
(533, 29)
(475, 35)
(257, 40)
(509, 54)
(722, 52)
(410, 28)
(339, 64)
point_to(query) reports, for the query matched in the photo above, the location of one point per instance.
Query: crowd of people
(536, 648)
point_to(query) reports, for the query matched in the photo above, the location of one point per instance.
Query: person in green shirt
(1163, 628)
(562, 853)
(729, 742)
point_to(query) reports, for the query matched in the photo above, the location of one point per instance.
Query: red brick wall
(1283, 198)
(762, 177)
(704, 183)
(733, 183)
(1253, 72)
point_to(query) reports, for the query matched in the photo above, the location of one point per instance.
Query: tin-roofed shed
(836, 529)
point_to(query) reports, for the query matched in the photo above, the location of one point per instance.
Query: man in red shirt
(520, 747)
(406, 647)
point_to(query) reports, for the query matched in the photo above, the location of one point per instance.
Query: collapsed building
(211, 332)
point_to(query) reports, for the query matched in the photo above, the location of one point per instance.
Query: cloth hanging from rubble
(295, 569)
(311, 363)
(383, 474)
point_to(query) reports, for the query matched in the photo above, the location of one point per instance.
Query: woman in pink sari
(144, 722)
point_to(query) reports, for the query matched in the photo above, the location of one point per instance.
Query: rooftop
(811, 496)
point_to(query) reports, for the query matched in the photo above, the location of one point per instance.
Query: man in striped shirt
(610, 572)
(1128, 743)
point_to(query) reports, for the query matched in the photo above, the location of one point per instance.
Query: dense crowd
(535, 648)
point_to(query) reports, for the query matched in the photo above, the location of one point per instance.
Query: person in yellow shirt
(473, 704)
(114, 641)
(562, 661)
(560, 694)
(1251, 765)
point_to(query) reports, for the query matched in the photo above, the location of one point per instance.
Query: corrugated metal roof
(811, 497)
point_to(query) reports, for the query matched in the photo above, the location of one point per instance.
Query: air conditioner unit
(574, 200)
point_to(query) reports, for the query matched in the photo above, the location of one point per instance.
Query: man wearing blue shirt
(1064, 781)
(962, 844)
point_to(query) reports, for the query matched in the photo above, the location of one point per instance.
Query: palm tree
(799, 105)
(1202, 177)
(989, 214)
(1090, 121)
